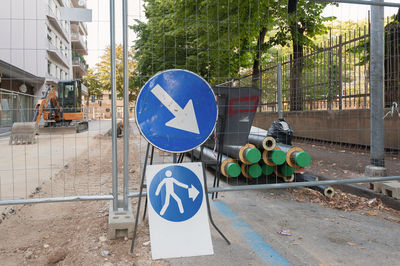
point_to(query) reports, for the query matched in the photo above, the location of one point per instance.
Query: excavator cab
(70, 100)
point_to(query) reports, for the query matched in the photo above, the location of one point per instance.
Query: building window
(99, 97)
(49, 68)
(109, 96)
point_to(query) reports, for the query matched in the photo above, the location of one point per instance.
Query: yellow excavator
(62, 110)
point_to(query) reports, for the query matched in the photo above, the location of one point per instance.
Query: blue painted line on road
(253, 239)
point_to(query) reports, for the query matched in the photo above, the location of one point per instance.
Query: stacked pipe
(261, 156)
(229, 167)
(277, 157)
(249, 156)
(235, 160)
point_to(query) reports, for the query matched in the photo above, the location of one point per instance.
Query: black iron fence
(334, 74)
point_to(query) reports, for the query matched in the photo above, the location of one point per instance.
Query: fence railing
(334, 74)
(15, 107)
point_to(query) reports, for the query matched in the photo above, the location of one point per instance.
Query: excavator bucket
(23, 133)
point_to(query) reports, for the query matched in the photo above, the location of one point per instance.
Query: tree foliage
(99, 77)
(219, 40)
(216, 39)
(92, 82)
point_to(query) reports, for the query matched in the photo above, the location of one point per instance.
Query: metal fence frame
(126, 193)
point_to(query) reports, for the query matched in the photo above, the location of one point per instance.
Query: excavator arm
(52, 112)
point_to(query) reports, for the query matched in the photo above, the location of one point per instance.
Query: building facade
(37, 49)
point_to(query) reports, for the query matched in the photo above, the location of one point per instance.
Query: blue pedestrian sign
(176, 193)
(177, 209)
(176, 110)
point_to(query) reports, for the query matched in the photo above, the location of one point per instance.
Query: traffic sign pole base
(120, 223)
(209, 208)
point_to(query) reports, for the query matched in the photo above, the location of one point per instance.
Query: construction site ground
(302, 226)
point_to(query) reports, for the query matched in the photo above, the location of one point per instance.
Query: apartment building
(37, 49)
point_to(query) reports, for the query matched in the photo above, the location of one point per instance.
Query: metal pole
(113, 108)
(56, 199)
(377, 154)
(126, 100)
(279, 85)
(211, 190)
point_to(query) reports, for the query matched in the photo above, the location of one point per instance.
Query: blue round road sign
(176, 110)
(176, 193)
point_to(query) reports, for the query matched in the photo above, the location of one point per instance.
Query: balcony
(83, 28)
(57, 55)
(53, 15)
(79, 67)
(79, 44)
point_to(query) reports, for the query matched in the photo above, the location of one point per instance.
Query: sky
(99, 28)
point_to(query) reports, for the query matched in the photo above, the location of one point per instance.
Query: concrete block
(375, 171)
(120, 223)
(376, 186)
(391, 189)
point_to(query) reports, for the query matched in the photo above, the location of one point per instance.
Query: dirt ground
(71, 233)
(76, 233)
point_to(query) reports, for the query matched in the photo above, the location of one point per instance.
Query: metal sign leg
(140, 197)
(220, 146)
(208, 206)
(145, 202)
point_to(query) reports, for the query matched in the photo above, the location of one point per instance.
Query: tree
(302, 23)
(92, 82)
(216, 39)
(99, 77)
(220, 40)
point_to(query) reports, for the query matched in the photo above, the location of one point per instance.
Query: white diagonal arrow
(185, 119)
(193, 192)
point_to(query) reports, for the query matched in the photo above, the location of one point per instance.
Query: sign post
(176, 111)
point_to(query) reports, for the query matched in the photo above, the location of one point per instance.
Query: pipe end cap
(233, 170)
(254, 170)
(303, 159)
(253, 155)
(278, 157)
(286, 170)
(267, 169)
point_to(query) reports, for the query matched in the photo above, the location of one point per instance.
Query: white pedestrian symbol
(169, 182)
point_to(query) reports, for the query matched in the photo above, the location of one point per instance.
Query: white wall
(23, 35)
